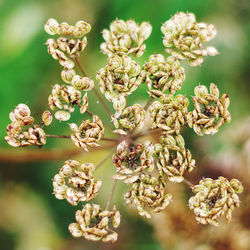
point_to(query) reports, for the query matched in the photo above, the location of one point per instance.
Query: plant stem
(105, 158)
(146, 132)
(188, 183)
(111, 195)
(59, 136)
(110, 139)
(148, 103)
(95, 90)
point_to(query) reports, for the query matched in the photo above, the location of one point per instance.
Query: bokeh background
(31, 218)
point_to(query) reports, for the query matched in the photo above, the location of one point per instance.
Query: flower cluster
(162, 75)
(89, 133)
(22, 132)
(125, 38)
(93, 224)
(169, 114)
(131, 160)
(184, 38)
(76, 182)
(173, 159)
(214, 199)
(62, 50)
(66, 98)
(210, 112)
(147, 192)
(146, 166)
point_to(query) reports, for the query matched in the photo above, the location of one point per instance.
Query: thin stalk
(148, 103)
(146, 132)
(111, 195)
(110, 139)
(188, 183)
(59, 136)
(105, 158)
(95, 90)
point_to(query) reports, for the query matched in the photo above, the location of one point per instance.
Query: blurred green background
(31, 217)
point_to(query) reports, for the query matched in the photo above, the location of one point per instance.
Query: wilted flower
(173, 159)
(147, 192)
(22, 132)
(93, 224)
(75, 182)
(169, 113)
(215, 199)
(131, 160)
(119, 78)
(210, 112)
(184, 38)
(66, 97)
(162, 75)
(125, 38)
(131, 118)
(89, 133)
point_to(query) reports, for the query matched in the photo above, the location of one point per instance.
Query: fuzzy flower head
(119, 78)
(184, 38)
(130, 160)
(125, 38)
(173, 159)
(22, 132)
(66, 98)
(210, 111)
(75, 182)
(148, 193)
(89, 133)
(162, 75)
(131, 118)
(93, 224)
(215, 199)
(169, 114)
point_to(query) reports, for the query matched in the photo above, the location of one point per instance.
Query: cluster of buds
(169, 114)
(125, 38)
(214, 199)
(22, 132)
(184, 38)
(119, 79)
(75, 182)
(131, 160)
(66, 98)
(162, 75)
(147, 192)
(131, 118)
(173, 159)
(89, 133)
(93, 224)
(210, 112)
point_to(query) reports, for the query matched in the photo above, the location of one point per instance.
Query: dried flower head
(173, 159)
(119, 78)
(89, 133)
(214, 199)
(131, 160)
(162, 75)
(131, 118)
(75, 182)
(125, 38)
(22, 132)
(47, 118)
(210, 112)
(66, 97)
(147, 192)
(184, 38)
(93, 224)
(169, 113)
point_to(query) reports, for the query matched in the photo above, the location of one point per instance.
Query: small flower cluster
(22, 132)
(89, 133)
(162, 75)
(67, 46)
(145, 166)
(184, 38)
(75, 182)
(214, 199)
(93, 224)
